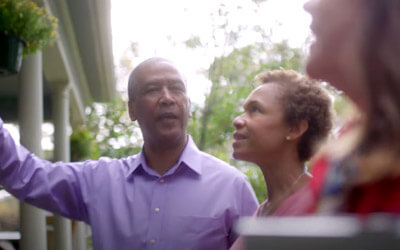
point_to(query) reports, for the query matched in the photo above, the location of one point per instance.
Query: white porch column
(80, 233)
(30, 116)
(62, 226)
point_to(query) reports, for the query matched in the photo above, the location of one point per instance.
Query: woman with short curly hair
(284, 121)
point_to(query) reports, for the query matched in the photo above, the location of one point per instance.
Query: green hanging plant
(25, 19)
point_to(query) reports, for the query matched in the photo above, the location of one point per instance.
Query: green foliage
(23, 18)
(108, 131)
(257, 181)
(193, 42)
(83, 146)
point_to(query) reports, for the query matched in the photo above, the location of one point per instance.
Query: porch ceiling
(81, 58)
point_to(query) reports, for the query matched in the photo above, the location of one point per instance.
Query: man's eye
(151, 90)
(177, 89)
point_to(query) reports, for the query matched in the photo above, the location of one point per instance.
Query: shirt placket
(157, 211)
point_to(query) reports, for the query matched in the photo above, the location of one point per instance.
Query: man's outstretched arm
(51, 186)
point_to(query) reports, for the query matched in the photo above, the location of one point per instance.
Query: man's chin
(172, 136)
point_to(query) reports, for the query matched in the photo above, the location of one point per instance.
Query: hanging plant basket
(10, 54)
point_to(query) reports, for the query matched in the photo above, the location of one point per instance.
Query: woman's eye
(254, 109)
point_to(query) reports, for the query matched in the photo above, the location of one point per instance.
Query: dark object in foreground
(321, 232)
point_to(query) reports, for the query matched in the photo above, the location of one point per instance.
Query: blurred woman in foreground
(357, 50)
(284, 121)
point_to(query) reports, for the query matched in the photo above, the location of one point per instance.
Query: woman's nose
(238, 122)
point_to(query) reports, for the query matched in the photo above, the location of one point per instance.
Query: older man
(169, 196)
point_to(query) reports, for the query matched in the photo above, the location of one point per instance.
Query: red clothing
(378, 196)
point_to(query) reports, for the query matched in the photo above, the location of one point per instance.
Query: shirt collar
(190, 157)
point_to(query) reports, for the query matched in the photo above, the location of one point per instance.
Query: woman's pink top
(299, 203)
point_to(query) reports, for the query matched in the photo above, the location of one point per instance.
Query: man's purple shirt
(130, 206)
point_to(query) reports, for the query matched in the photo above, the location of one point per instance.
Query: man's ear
(296, 131)
(131, 110)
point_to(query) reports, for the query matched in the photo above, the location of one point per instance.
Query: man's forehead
(159, 70)
(162, 66)
(155, 63)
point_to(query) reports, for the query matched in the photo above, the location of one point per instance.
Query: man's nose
(166, 96)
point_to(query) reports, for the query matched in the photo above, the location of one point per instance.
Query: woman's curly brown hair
(303, 99)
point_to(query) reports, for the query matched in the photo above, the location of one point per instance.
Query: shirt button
(152, 241)
(162, 180)
(157, 209)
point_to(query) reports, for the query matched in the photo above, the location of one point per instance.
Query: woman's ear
(131, 111)
(297, 130)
